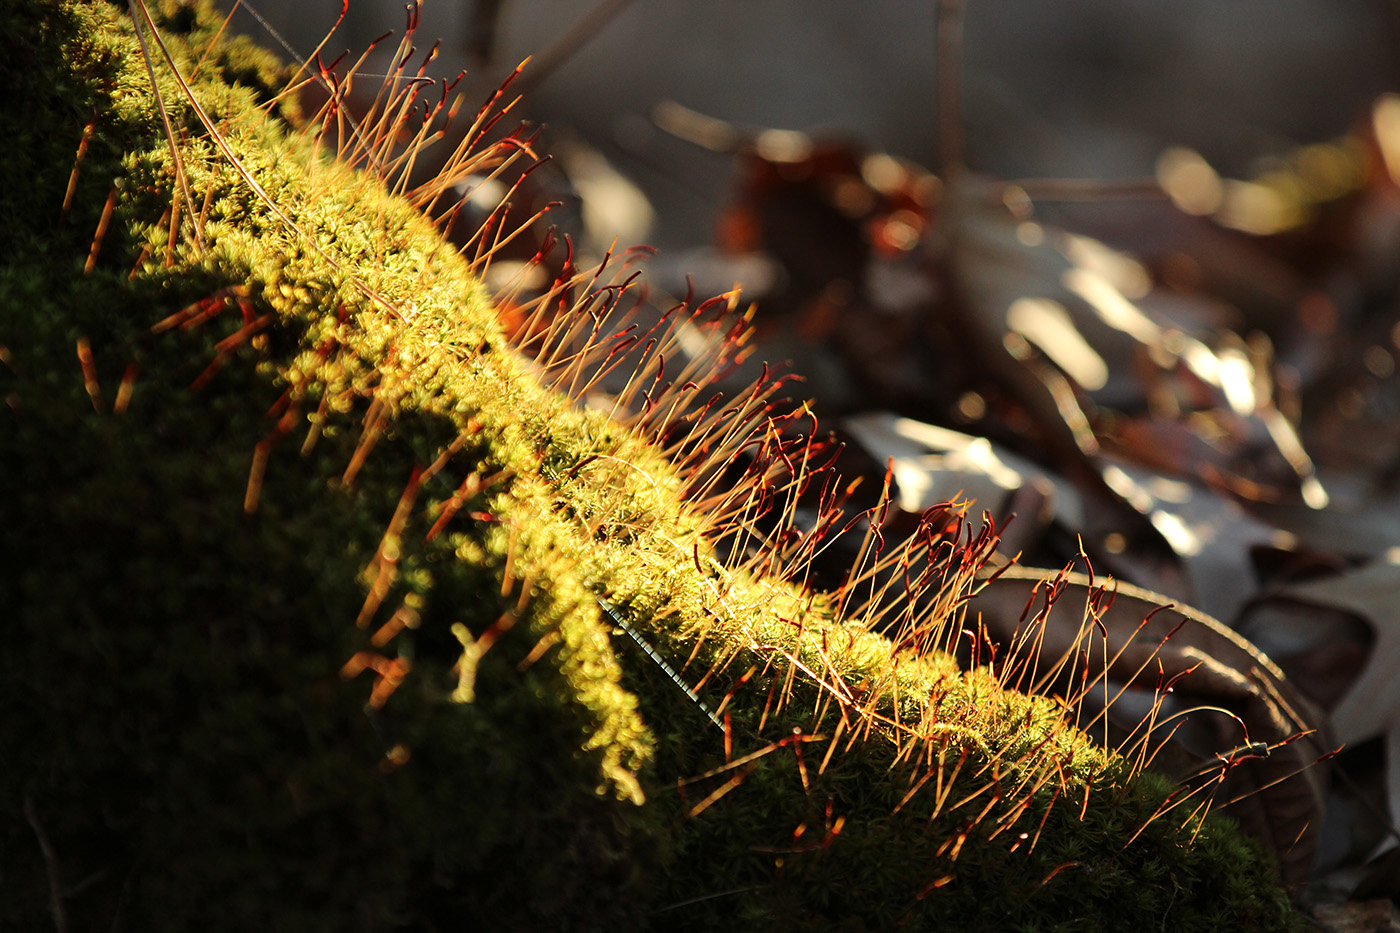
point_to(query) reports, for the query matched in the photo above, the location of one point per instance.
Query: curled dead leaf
(1232, 711)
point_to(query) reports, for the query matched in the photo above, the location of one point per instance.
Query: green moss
(188, 574)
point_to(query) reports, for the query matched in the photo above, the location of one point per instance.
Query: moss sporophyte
(322, 593)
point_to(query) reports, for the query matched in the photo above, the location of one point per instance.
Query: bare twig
(481, 34)
(1091, 189)
(570, 42)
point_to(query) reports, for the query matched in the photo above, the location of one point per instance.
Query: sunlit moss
(310, 639)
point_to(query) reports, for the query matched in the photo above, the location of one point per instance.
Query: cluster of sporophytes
(325, 605)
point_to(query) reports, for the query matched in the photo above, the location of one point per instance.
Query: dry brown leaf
(1370, 706)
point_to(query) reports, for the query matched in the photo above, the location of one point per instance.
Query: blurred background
(1082, 88)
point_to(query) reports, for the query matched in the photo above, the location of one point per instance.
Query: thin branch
(570, 42)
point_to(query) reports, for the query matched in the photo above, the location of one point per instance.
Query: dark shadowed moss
(187, 748)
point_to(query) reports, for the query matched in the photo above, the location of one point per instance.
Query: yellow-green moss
(185, 736)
